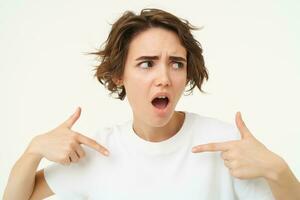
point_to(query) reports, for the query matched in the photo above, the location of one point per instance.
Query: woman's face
(156, 63)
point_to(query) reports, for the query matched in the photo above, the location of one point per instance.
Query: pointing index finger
(92, 143)
(212, 147)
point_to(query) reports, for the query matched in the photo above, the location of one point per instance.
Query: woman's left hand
(245, 158)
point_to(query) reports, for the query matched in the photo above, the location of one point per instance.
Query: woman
(161, 153)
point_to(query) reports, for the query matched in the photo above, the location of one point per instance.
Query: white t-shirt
(138, 169)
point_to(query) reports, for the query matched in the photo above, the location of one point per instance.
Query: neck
(158, 134)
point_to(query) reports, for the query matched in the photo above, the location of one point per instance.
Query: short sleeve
(250, 189)
(66, 181)
(74, 181)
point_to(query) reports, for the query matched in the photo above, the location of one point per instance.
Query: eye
(146, 64)
(178, 65)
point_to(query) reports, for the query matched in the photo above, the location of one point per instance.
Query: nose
(163, 77)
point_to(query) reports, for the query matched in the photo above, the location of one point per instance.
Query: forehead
(156, 41)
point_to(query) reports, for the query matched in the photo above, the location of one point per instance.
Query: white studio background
(250, 49)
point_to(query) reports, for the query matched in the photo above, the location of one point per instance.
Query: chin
(161, 121)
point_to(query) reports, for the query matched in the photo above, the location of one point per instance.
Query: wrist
(276, 170)
(280, 175)
(33, 149)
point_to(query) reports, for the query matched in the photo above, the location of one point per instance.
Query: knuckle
(235, 164)
(64, 162)
(75, 136)
(77, 159)
(74, 144)
(71, 146)
(226, 163)
(64, 158)
(65, 155)
(102, 149)
(98, 147)
(94, 143)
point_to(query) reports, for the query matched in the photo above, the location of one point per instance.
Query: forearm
(22, 177)
(283, 182)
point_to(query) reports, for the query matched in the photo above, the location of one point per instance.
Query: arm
(282, 181)
(248, 158)
(61, 145)
(41, 188)
(24, 181)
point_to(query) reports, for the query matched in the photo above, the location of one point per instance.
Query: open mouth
(160, 102)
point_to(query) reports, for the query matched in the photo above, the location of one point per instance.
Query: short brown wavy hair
(114, 54)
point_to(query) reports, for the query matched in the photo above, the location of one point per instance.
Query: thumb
(73, 118)
(244, 131)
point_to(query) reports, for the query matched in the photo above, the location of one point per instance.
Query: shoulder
(109, 136)
(252, 189)
(106, 133)
(211, 129)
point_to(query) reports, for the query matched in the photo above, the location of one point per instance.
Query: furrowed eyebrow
(176, 58)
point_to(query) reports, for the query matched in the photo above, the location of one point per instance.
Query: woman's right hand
(62, 145)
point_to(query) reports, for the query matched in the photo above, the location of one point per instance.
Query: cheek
(179, 81)
(136, 86)
(136, 83)
(179, 84)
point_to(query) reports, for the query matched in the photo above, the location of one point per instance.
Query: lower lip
(162, 111)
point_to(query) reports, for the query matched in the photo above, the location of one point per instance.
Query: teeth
(161, 97)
